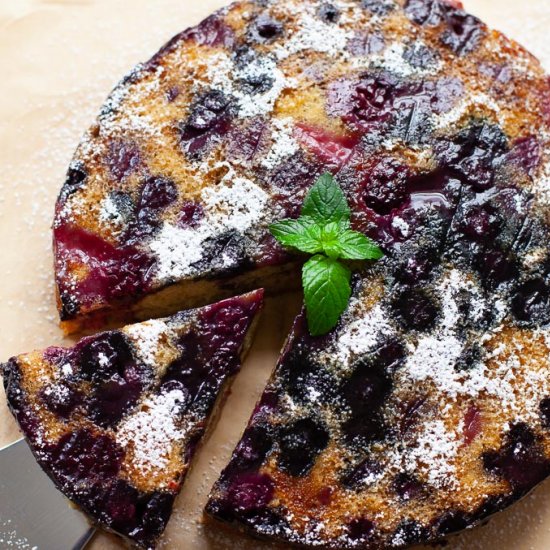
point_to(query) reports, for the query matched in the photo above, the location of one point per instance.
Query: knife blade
(33, 513)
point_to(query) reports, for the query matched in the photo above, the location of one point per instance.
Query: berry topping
(249, 141)
(372, 102)
(366, 389)
(408, 487)
(360, 529)
(425, 12)
(464, 31)
(365, 392)
(330, 149)
(61, 398)
(495, 266)
(123, 159)
(304, 380)
(56, 355)
(480, 222)
(329, 13)
(249, 492)
(291, 180)
(531, 302)
(157, 194)
(544, 408)
(265, 29)
(213, 31)
(363, 44)
(209, 121)
(103, 356)
(191, 213)
(111, 272)
(520, 460)
(420, 56)
(415, 309)
(120, 502)
(526, 154)
(254, 446)
(360, 475)
(360, 431)
(76, 176)
(378, 7)
(299, 445)
(227, 320)
(253, 84)
(452, 522)
(83, 455)
(410, 532)
(472, 424)
(225, 253)
(386, 186)
(114, 397)
(475, 153)
(416, 267)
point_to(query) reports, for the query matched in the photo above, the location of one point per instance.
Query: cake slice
(170, 194)
(115, 421)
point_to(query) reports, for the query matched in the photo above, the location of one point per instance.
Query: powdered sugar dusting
(284, 143)
(146, 338)
(109, 213)
(470, 103)
(361, 335)
(177, 250)
(235, 204)
(393, 59)
(223, 75)
(433, 454)
(151, 432)
(541, 185)
(10, 538)
(314, 34)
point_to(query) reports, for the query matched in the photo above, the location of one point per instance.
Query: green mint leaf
(356, 246)
(303, 234)
(325, 202)
(326, 292)
(330, 234)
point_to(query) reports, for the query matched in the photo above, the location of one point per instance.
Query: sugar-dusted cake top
(116, 420)
(223, 131)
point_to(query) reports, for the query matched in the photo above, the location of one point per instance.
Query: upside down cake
(116, 420)
(427, 408)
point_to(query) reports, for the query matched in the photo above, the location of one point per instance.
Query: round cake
(428, 407)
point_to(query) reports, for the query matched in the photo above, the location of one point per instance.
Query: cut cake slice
(115, 421)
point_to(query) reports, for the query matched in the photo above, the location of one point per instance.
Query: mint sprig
(323, 229)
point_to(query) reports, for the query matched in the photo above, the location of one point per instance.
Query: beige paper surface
(58, 61)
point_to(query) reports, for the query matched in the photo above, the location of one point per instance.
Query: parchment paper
(58, 61)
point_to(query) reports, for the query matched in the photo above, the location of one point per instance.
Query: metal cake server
(33, 513)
